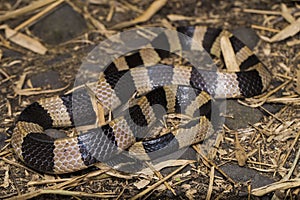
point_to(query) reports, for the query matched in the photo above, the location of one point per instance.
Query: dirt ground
(57, 35)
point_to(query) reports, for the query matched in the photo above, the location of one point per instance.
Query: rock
(247, 35)
(46, 79)
(60, 26)
(243, 174)
(242, 115)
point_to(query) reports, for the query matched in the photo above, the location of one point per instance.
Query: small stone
(60, 26)
(243, 174)
(242, 115)
(46, 79)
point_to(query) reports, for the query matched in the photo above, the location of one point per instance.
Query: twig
(264, 28)
(26, 9)
(281, 121)
(263, 12)
(152, 187)
(214, 165)
(211, 182)
(151, 10)
(281, 185)
(63, 192)
(158, 174)
(290, 150)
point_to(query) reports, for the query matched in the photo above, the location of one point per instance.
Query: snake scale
(174, 88)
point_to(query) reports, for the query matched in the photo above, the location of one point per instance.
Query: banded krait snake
(172, 93)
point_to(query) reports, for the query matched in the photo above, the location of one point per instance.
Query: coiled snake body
(174, 88)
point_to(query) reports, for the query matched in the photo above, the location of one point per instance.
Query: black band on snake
(181, 90)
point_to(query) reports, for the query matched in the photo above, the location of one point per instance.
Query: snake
(161, 89)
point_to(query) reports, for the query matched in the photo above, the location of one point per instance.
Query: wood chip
(229, 55)
(288, 31)
(141, 184)
(25, 41)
